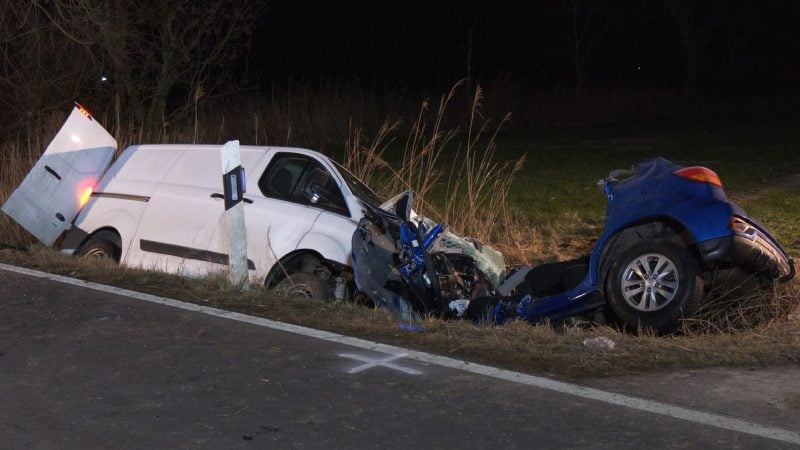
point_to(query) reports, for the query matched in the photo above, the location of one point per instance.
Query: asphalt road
(81, 368)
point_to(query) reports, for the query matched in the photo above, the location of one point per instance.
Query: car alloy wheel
(653, 284)
(650, 282)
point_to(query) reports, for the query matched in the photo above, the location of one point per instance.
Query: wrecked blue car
(668, 229)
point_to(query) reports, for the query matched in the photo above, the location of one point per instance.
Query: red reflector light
(84, 197)
(700, 175)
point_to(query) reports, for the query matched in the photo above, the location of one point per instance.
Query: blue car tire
(653, 285)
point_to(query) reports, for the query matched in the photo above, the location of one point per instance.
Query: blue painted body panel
(653, 192)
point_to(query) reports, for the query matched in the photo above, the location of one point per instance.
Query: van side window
(282, 175)
(303, 180)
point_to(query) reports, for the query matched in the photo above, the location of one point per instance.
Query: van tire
(306, 285)
(103, 244)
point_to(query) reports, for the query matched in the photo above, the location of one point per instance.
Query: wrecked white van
(161, 207)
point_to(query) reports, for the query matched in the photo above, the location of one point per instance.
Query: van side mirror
(314, 191)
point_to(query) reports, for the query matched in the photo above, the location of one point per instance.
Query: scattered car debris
(601, 343)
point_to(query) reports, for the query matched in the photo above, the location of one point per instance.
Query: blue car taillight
(699, 174)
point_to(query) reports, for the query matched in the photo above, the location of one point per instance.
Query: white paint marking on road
(385, 362)
(700, 417)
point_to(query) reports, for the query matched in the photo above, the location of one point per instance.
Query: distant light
(638, 67)
(103, 78)
(75, 138)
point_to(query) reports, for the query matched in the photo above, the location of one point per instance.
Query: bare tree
(158, 54)
(696, 21)
(582, 26)
(39, 70)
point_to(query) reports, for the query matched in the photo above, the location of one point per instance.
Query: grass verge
(545, 350)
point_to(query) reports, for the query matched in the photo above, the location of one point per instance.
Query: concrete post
(233, 183)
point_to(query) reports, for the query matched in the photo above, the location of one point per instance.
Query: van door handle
(217, 195)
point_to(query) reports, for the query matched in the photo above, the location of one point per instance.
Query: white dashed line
(700, 417)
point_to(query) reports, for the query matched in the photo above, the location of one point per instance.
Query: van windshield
(357, 187)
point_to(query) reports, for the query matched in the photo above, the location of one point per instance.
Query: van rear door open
(62, 180)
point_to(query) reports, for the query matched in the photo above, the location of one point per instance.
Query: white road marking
(700, 417)
(385, 362)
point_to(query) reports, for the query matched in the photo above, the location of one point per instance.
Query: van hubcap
(302, 290)
(96, 253)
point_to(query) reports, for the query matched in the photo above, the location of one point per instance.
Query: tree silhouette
(157, 55)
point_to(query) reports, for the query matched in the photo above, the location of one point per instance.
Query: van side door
(182, 217)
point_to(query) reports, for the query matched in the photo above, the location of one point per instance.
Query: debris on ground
(601, 343)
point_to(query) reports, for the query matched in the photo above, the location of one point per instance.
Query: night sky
(730, 54)
(428, 43)
(410, 41)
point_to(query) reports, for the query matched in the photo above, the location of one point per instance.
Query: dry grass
(739, 303)
(456, 182)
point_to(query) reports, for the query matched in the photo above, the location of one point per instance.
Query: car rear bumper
(751, 249)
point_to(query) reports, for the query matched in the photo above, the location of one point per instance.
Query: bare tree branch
(155, 49)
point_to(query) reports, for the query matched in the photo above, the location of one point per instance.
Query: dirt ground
(766, 395)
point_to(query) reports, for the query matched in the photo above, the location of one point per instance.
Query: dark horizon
(738, 46)
(566, 61)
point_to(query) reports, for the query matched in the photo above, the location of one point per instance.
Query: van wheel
(654, 285)
(306, 285)
(104, 244)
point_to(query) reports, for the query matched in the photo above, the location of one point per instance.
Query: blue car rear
(691, 200)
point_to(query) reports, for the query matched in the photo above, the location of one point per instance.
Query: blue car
(668, 229)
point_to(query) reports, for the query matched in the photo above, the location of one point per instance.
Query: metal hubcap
(301, 290)
(650, 282)
(96, 253)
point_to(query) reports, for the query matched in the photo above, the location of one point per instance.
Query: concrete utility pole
(234, 188)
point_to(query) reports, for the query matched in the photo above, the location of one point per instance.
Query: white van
(161, 207)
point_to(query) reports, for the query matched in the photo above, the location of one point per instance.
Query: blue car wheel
(654, 284)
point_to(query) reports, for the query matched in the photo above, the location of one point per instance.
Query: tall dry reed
(452, 171)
